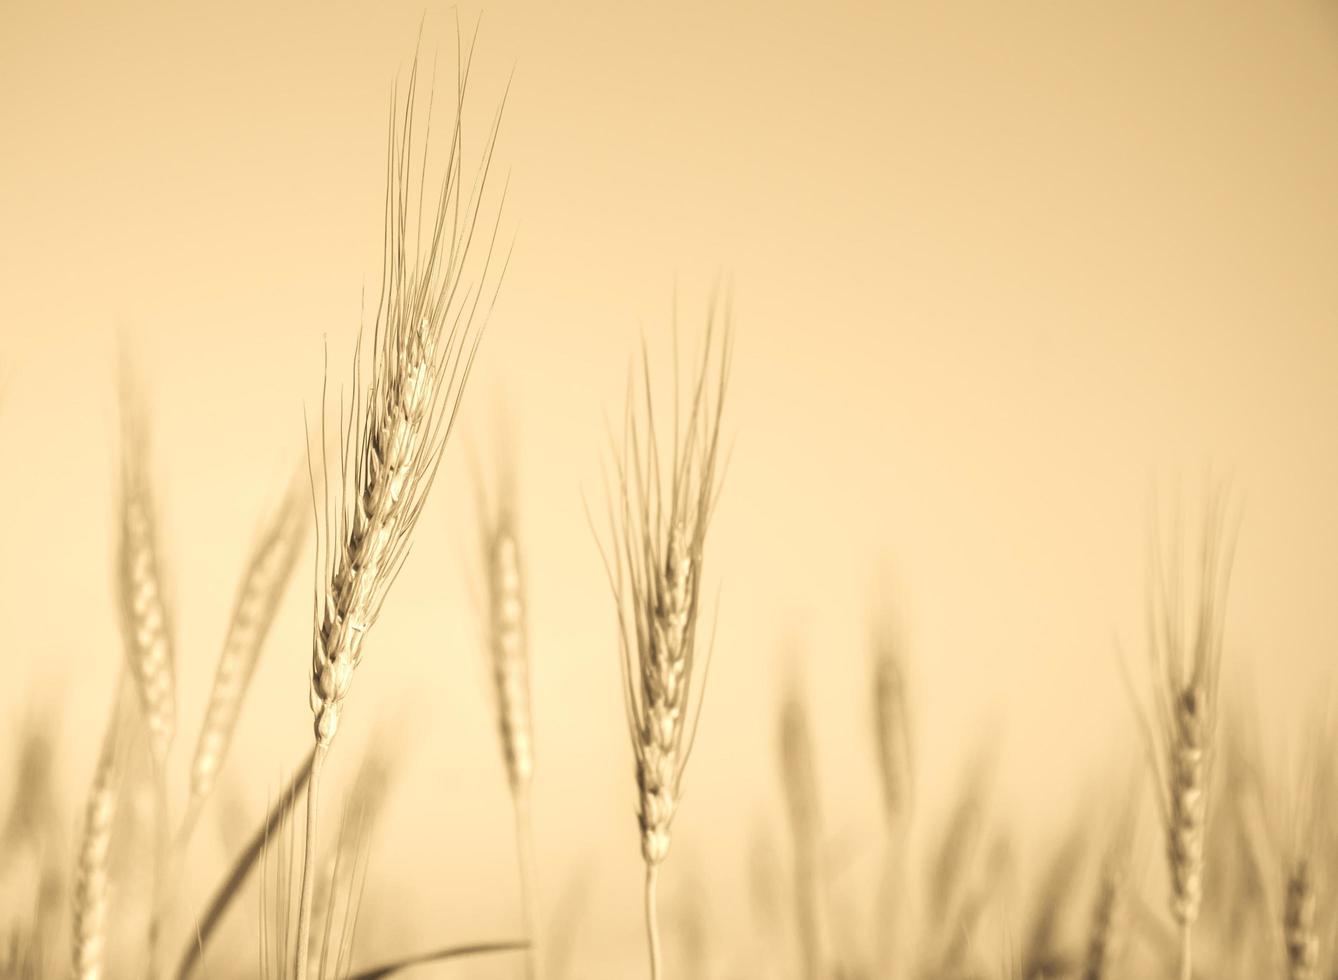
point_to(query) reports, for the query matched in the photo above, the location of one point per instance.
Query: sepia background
(1006, 279)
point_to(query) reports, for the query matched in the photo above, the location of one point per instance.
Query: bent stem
(529, 896)
(652, 925)
(309, 864)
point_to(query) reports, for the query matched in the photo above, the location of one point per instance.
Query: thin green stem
(300, 955)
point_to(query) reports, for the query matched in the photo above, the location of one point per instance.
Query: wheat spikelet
(659, 517)
(268, 569)
(428, 326)
(92, 878)
(1299, 930)
(145, 618)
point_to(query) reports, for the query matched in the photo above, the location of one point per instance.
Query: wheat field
(730, 491)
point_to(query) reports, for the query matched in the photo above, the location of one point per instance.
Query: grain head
(268, 568)
(428, 325)
(91, 899)
(508, 641)
(659, 516)
(146, 621)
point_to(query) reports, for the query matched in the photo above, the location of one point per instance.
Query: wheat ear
(268, 569)
(1186, 659)
(428, 325)
(659, 516)
(892, 744)
(146, 625)
(92, 880)
(146, 621)
(509, 650)
(1299, 931)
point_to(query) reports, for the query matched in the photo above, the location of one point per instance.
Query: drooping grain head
(428, 325)
(1299, 930)
(509, 648)
(146, 622)
(659, 517)
(268, 569)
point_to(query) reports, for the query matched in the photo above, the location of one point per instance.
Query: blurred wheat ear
(268, 569)
(146, 621)
(1185, 651)
(892, 745)
(799, 778)
(428, 326)
(659, 513)
(92, 877)
(508, 646)
(147, 626)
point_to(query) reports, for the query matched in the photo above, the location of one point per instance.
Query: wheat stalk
(659, 519)
(509, 654)
(242, 867)
(268, 569)
(424, 343)
(1186, 659)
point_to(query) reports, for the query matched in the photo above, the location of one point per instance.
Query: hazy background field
(998, 272)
